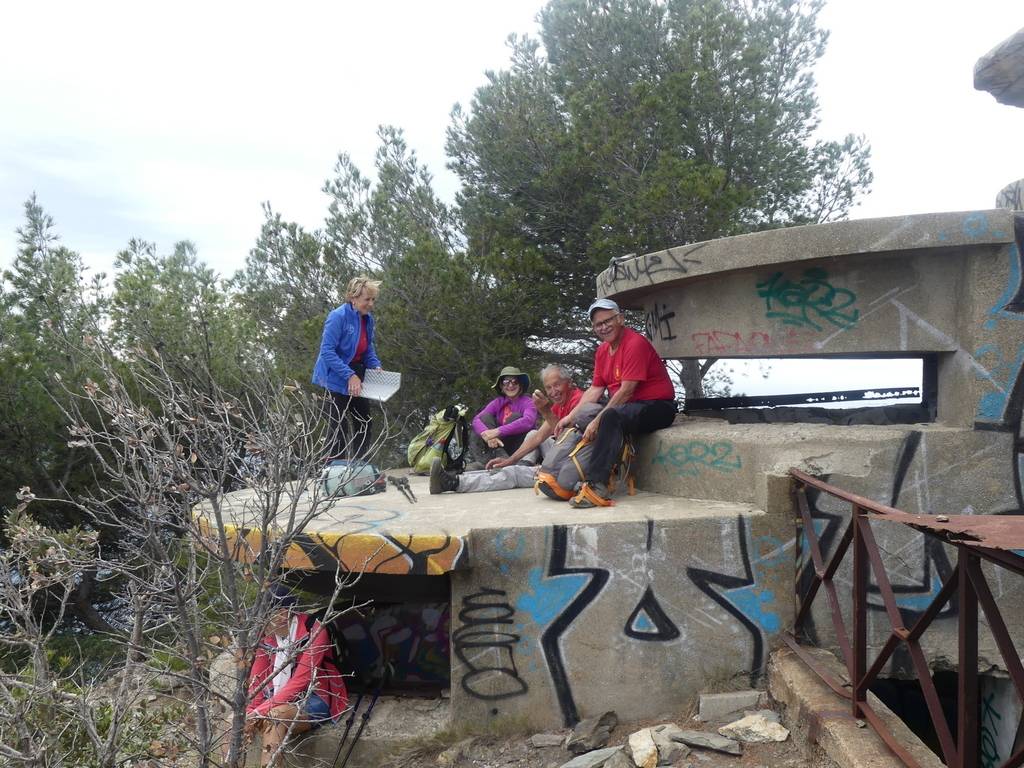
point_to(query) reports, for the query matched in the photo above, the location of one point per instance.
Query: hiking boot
(592, 495)
(441, 481)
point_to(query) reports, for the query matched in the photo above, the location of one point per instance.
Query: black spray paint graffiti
(551, 638)
(667, 263)
(707, 581)
(326, 556)
(810, 300)
(487, 652)
(648, 621)
(913, 597)
(659, 321)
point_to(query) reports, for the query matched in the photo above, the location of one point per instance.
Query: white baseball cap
(602, 304)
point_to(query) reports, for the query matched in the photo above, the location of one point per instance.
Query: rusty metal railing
(977, 538)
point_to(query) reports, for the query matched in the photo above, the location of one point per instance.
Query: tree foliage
(177, 306)
(45, 302)
(444, 320)
(626, 126)
(631, 126)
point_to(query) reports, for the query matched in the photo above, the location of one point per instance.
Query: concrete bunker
(557, 614)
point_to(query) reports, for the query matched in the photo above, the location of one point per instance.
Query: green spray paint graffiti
(689, 458)
(989, 728)
(808, 302)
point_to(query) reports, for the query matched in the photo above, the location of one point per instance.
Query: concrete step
(396, 722)
(704, 458)
(821, 719)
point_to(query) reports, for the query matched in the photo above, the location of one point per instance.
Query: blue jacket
(338, 347)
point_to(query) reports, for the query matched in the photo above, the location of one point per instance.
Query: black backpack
(339, 654)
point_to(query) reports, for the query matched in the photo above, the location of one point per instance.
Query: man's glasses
(606, 323)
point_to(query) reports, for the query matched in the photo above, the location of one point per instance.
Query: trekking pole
(348, 727)
(366, 714)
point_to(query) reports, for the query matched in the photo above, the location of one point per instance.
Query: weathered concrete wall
(923, 469)
(560, 622)
(942, 283)
(947, 284)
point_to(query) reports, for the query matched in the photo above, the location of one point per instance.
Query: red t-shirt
(363, 342)
(561, 410)
(634, 360)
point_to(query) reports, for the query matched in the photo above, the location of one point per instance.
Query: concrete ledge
(629, 280)
(821, 718)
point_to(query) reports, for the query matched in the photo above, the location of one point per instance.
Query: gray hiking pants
(515, 476)
(538, 454)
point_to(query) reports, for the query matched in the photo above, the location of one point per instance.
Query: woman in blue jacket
(346, 353)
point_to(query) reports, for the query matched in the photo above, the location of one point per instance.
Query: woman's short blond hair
(357, 285)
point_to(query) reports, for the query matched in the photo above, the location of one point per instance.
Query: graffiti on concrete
(649, 621)
(419, 554)
(669, 263)
(990, 722)
(915, 580)
(1004, 368)
(690, 458)
(412, 637)
(658, 323)
(595, 580)
(746, 597)
(485, 647)
(999, 714)
(810, 302)
(716, 342)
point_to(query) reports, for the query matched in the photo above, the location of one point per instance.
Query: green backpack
(446, 437)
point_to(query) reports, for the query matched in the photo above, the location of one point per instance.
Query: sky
(179, 121)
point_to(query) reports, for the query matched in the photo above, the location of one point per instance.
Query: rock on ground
(454, 753)
(596, 759)
(541, 740)
(669, 751)
(718, 705)
(591, 733)
(754, 728)
(708, 741)
(645, 751)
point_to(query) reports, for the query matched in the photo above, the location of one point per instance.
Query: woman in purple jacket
(346, 353)
(500, 428)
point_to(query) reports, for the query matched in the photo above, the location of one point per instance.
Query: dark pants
(351, 430)
(481, 452)
(636, 418)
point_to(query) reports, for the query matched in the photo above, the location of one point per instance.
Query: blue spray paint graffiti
(746, 597)
(1004, 366)
(546, 598)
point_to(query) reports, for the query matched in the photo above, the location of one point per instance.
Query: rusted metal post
(860, 611)
(967, 686)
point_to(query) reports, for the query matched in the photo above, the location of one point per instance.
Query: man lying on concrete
(642, 398)
(516, 471)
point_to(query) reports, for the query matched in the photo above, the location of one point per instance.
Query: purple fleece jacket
(522, 404)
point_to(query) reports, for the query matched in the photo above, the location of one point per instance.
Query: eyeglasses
(606, 323)
(506, 382)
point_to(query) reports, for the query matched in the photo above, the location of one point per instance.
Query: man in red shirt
(641, 397)
(559, 398)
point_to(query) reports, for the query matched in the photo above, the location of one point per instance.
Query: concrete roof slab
(385, 533)
(628, 280)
